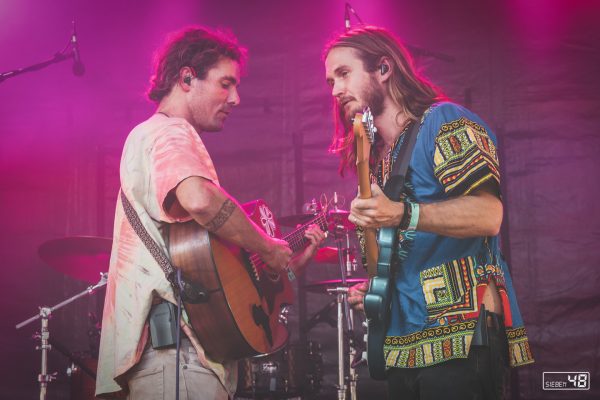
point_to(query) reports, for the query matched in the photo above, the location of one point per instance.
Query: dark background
(528, 67)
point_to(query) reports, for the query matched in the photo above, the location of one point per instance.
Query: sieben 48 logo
(566, 381)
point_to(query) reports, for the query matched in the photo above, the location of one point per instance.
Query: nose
(234, 97)
(337, 90)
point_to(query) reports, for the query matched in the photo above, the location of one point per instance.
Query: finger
(361, 204)
(356, 220)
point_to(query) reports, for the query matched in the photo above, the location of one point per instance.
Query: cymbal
(80, 257)
(294, 219)
(329, 255)
(340, 217)
(322, 286)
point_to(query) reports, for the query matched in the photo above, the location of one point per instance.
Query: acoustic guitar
(245, 311)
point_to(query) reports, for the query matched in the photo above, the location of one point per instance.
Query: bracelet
(414, 217)
(406, 216)
(291, 275)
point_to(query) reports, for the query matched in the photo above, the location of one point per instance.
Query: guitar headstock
(364, 134)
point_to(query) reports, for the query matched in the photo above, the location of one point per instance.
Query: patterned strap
(150, 244)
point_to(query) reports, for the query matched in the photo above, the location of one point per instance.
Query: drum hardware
(44, 335)
(77, 360)
(343, 255)
(324, 286)
(344, 311)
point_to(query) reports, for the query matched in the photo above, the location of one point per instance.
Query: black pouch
(163, 325)
(480, 336)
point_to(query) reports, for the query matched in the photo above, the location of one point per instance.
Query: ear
(186, 74)
(385, 70)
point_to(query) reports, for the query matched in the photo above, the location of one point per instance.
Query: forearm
(476, 214)
(466, 216)
(300, 260)
(214, 209)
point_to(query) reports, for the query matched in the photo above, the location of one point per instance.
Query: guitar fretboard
(296, 238)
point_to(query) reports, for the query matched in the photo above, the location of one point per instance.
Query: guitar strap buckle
(192, 293)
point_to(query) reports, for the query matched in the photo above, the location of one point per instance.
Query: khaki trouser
(154, 376)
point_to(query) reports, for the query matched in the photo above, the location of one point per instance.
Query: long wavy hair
(408, 89)
(196, 47)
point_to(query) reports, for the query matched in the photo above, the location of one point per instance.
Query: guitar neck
(364, 183)
(296, 239)
(364, 189)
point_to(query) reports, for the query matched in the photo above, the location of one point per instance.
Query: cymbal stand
(341, 293)
(45, 312)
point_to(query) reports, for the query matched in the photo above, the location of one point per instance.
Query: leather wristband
(406, 217)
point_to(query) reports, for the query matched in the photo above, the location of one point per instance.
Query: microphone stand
(415, 50)
(58, 57)
(45, 312)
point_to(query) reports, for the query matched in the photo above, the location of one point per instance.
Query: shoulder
(447, 118)
(445, 112)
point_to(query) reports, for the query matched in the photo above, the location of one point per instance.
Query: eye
(344, 74)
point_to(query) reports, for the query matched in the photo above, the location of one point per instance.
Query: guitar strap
(189, 292)
(395, 183)
(151, 245)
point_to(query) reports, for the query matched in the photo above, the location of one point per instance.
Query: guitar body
(379, 253)
(377, 304)
(242, 315)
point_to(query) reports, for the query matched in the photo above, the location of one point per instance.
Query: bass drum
(296, 370)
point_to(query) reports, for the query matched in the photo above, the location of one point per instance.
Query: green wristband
(414, 217)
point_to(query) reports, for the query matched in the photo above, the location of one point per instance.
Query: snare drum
(294, 371)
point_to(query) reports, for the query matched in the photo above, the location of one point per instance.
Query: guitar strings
(295, 239)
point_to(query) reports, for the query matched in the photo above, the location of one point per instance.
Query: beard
(373, 97)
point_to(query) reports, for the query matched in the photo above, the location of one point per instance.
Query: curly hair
(195, 47)
(409, 90)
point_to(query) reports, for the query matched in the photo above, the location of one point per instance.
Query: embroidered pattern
(518, 347)
(448, 288)
(430, 346)
(464, 157)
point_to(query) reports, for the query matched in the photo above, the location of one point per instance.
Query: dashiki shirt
(440, 280)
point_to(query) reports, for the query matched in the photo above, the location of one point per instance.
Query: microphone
(347, 12)
(78, 68)
(347, 16)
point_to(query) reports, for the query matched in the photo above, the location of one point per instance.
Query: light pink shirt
(159, 153)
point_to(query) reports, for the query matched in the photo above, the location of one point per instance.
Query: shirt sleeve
(178, 153)
(465, 154)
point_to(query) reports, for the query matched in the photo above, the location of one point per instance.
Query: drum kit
(296, 371)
